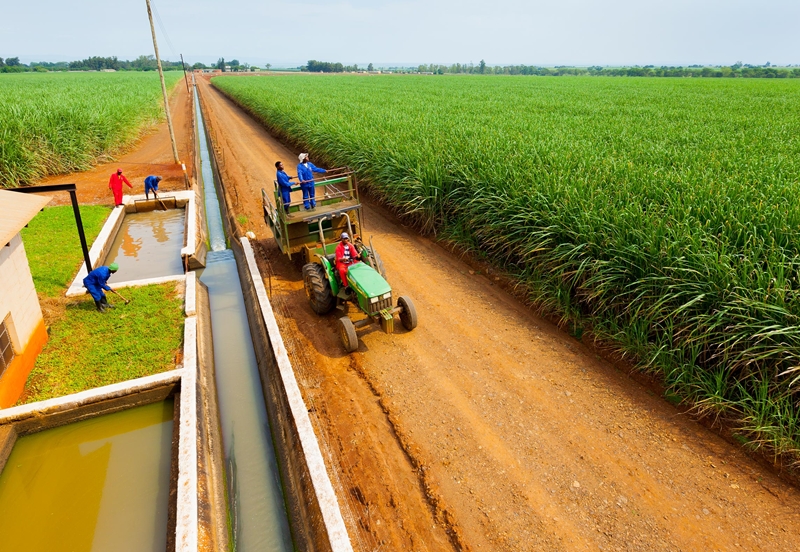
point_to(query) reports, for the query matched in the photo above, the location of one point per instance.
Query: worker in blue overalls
(97, 281)
(305, 174)
(151, 185)
(285, 185)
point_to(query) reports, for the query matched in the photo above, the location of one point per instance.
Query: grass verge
(88, 349)
(54, 248)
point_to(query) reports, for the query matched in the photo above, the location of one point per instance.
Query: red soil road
(487, 428)
(151, 154)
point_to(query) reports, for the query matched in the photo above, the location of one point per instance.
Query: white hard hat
(302, 156)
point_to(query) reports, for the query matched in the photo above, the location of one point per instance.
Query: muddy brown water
(100, 484)
(254, 490)
(148, 245)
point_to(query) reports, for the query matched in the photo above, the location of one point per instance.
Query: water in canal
(256, 498)
(97, 485)
(216, 234)
(148, 245)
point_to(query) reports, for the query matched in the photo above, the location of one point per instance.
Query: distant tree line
(11, 65)
(94, 63)
(233, 65)
(737, 70)
(314, 66)
(148, 63)
(98, 63)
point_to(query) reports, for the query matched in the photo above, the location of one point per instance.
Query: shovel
(120, 296)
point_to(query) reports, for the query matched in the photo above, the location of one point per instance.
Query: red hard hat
(119, 170)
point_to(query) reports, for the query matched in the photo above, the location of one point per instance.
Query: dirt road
(486, 428)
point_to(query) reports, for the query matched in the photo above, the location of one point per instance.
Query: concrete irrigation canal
(217, 453)
(256, 501)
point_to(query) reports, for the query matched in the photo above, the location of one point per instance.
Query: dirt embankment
(486, 428)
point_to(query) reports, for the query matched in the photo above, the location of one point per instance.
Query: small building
(22, 330)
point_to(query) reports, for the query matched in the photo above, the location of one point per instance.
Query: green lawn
(54, 248)
(88, 349)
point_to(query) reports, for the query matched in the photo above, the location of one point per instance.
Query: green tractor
(314, 235)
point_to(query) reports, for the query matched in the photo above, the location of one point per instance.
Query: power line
(163, 29)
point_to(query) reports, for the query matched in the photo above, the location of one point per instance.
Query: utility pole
(183, 66)
(163, 86)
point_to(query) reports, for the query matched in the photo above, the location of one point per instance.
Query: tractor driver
(346, 255)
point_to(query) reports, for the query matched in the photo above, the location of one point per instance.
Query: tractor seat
(331, 258)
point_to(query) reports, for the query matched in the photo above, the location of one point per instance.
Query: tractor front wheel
(348, 332)
(318, 288)
(408, 314)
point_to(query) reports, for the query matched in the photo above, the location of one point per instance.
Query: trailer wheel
(318, 289)
(348, 332)
(408, 316)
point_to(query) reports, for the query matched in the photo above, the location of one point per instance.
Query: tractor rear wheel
(318, 288)
(348, 332)
(408, 314)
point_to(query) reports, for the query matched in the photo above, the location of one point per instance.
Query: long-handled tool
(120, 296)
(163, 207)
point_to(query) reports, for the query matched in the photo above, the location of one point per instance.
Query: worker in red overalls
(115, 185)
(346, 255)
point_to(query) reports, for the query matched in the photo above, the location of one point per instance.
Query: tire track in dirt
(378, 489)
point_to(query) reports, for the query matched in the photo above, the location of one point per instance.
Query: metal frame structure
(71, 188)
(301, 231)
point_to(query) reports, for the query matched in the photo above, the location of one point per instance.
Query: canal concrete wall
(313, 505)
(213, 510)
(316, 520)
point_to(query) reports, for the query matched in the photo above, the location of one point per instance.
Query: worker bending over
(151, 185)
(346, 255)
(97, 281)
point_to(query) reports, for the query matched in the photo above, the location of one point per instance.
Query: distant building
(22, 329)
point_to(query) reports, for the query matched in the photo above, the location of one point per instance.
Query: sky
(410, 32)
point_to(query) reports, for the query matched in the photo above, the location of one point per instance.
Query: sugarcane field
(549, 301)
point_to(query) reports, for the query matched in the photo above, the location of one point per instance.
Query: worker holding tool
(285, 185)
(305, 174)
(346, 256)
(97, 281)
(151, 185)
(115, 185)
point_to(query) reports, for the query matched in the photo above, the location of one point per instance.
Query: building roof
(17, 210)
